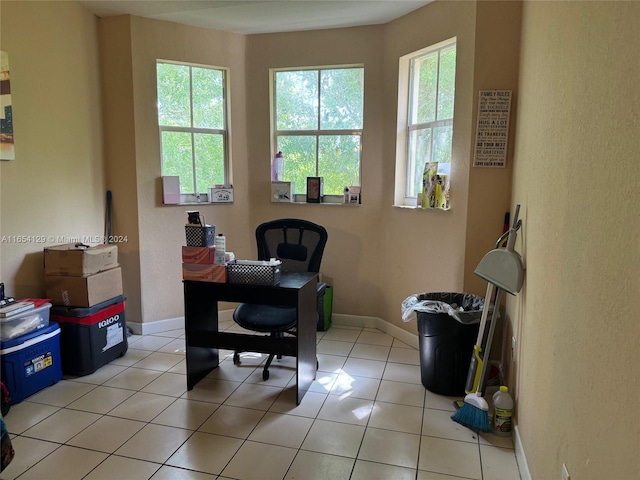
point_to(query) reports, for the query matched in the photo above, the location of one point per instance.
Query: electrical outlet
(513, 347)
(565, 473)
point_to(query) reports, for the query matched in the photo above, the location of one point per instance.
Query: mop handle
(492, 327)
(485, 314)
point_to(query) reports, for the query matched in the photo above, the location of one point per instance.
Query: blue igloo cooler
(31, 362)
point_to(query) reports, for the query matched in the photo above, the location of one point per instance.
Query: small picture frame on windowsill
(314, 189)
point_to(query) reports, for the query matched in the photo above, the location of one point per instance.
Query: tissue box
(199, 255)
(204, 273)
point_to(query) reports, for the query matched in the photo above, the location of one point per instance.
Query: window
(425, 116)
(318, 122)
(192, 117)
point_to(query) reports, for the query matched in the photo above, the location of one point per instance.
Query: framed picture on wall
(6, 113)
(314, 189)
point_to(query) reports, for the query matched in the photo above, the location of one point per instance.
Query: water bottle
(277, 168)
(220, 243)
(502, 412)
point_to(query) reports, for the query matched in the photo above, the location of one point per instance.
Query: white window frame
(196, 196)
(275, 133)
(404, 169)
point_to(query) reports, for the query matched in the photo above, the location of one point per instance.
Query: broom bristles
(472, 417)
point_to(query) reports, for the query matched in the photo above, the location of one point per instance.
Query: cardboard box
(84, 291)
(204, 273)
(199, 255)
(68, 259)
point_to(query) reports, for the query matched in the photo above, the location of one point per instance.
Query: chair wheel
(236, 358)
(265, 375)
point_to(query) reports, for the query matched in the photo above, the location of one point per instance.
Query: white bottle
(277, 168)
(220, 243)
(502, 420)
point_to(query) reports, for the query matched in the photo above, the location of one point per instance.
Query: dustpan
(503, 267)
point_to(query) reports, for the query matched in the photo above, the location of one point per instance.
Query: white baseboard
(375, 322)
(146, 328)
(523, 467)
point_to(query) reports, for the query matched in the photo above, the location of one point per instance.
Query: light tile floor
(366, 417)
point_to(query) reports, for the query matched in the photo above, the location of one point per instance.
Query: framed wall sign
(6, 113)
(494, 107)
(314, 189)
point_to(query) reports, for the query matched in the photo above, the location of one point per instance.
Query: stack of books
(10, 306)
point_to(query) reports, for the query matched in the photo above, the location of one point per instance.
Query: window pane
(299, 159)
(208, 98)
(177, 159)
(424, 87)
(341, 99)
(209, 153)
(442, 137)
(173, 95)
(419, 154)
(447, 83)
(297, 100)
(339, 162)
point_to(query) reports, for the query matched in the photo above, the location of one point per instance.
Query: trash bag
(464, 307)
(6, 449)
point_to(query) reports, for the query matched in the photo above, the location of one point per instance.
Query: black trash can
(448, 325)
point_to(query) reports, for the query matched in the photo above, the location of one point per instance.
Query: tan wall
(577, 175)
(55, 186)
(131, 47)
(576, 138)
(352, 260)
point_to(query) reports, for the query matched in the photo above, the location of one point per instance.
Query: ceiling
(261, 16)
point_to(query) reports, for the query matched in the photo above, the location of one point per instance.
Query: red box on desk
(91, 337)
(204, 273)
(199, 255)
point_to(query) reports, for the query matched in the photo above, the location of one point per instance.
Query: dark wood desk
(203, 338)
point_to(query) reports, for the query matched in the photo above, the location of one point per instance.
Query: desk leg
(307, 324)
(200, 313)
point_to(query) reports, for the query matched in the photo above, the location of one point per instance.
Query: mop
(502, 268)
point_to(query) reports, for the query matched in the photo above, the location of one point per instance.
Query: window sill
(300, 199)
(414, 207)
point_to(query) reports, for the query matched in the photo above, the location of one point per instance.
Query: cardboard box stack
(81, 276)
(85, 285)
(198, 263)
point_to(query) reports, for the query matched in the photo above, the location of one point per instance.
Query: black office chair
(299, 244)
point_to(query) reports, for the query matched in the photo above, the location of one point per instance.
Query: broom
(474, 412)
(503, 268)
(476, 362)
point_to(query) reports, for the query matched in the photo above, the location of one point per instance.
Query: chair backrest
(298, 243)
